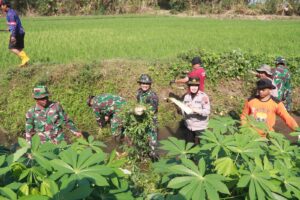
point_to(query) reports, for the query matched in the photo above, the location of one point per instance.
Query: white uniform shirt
(201, 106)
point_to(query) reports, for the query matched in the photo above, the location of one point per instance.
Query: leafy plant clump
(48, 171)
(136, 128)
(231, 163)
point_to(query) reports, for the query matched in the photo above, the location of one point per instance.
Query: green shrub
(62, 171)
(179, 5)
(231, 162)
(232, 64)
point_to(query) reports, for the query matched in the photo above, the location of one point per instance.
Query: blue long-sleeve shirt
(14, 23)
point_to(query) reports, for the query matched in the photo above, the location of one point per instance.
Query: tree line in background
(88, 7)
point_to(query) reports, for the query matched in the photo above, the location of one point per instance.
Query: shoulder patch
(205, 99)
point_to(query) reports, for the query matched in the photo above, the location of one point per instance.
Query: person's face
(262, 75)
(42, 102)
(3, 8)
(196, 66)
(145, 87)
(264, 92)
(194, 88)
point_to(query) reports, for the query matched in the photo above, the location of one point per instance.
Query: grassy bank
(79, 56)
(70, 84)
(85, 39)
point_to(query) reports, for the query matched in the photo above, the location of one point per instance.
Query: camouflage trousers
(288, 103)
(116, 125)
(152, 133)
(48, 137)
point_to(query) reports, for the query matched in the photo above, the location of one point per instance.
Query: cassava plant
(233, 162)
(47, 171)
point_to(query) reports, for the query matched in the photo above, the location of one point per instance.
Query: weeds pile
(136, 128)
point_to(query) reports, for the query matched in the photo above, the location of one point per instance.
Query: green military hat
(280, 60)
(193, 81)
(145, 78)
(40, 92)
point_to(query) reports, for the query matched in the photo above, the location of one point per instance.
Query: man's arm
(29, 127)
(12, 24)
(288, 119)
(183, 80)
(245, 113)
(100, 118)
(153, 101)
(202, 80)
(205, 107)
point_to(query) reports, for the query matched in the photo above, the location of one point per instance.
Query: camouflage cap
(193, 81)
(280, 60)
(145, 78)
(40, 92)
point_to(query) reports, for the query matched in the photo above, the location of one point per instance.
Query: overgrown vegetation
(71, 85)
(230, 163)
(48, 171)
(248, 7)
(136, 128)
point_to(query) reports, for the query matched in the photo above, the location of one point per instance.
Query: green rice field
(93, 38)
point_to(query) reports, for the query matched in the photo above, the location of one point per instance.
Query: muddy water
(174, 130)
(178, 130)
(281, 127)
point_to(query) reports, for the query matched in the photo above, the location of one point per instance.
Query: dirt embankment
(3, 137)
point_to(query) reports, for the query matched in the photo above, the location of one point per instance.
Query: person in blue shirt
(16, 42)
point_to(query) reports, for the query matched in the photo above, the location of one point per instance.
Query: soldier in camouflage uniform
(146, 96)
(46, 118)
(106, 108)
(282, 80)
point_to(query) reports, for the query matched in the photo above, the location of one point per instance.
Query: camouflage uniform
(150, 98)
(282, 80)
(108, 105)
(47, 123)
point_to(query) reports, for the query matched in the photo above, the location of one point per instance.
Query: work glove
(171, 82)
(139, 110)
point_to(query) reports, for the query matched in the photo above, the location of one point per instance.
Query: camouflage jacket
(282, 79)
(148, 97)
(47, 123)
(106, 105)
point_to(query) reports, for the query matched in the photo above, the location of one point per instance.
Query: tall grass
(76, 39)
